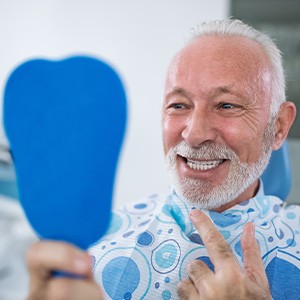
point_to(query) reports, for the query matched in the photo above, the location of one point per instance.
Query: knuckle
(194, 267)
(182, 287)
(214, 238)
(44, 256)
(211, 236)
(65, 255)
(250, 271)
(225, 251)
(63, 251)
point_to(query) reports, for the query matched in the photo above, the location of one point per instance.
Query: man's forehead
(209, 53)
(218, 47)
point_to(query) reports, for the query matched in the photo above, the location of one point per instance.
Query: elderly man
(215, 235)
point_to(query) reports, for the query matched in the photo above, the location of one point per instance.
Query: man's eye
(227, 106)
(177, 106)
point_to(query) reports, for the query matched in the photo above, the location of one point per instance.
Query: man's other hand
(229, 280)
(46, 257)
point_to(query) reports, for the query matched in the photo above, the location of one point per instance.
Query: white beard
(240, 176)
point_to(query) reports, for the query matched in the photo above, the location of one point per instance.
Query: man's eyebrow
(222, 90)
(226, 89)
(212, 93)
(179, 91)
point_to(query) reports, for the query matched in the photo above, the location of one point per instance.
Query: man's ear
(285, 119)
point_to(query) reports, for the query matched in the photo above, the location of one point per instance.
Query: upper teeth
(203, 165)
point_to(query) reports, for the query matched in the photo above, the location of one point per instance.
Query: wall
(137, 37)
(280, 20)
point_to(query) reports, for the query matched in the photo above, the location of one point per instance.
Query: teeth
(203, 165)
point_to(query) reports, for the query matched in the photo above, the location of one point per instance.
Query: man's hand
(229, 280)
(46, 257)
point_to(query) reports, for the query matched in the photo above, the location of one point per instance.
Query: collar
(261, 191)
(253, 210)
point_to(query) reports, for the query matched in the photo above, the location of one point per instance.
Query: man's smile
(201, 164)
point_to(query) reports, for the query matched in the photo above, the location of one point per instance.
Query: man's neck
(249, 193)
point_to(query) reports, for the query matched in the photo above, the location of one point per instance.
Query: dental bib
(151, 242)
(65, 122)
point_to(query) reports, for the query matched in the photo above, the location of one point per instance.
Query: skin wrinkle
(236, 75)
(259, 62)
(253, 108)
(186, 289)
(194, 266)
(213, 238)
(272, 74)
(257, 85)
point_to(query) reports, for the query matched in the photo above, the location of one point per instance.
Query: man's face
(215, 120)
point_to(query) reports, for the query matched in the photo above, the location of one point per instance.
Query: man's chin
(202, 198)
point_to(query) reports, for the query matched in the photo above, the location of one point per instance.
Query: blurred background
(138, 38)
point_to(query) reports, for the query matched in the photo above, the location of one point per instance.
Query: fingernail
(195, 213)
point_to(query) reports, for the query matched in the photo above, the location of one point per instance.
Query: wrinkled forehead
(213, 57)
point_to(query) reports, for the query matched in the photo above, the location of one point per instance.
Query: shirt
(150, 243)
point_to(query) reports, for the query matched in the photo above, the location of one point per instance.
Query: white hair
(233, 27)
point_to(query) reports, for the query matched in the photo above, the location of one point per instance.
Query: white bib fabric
(150, 243)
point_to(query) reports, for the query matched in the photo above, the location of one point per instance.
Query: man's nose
(199, 129)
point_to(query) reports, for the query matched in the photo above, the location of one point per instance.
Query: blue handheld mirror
(65, 122)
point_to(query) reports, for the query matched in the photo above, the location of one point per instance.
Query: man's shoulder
(279, 208)
(291, 214)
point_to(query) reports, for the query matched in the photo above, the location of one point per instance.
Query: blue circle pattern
(165, 257)
(166, 295)
(291, 215)
(162, 245)
(145, 239)
(140, 206)
(127, 296)
(130, 278)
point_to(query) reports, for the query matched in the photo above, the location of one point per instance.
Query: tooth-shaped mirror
(65, 122)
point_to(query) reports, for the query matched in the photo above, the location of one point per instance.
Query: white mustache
(208, 151)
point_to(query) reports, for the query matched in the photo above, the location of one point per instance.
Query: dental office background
(138, 38)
